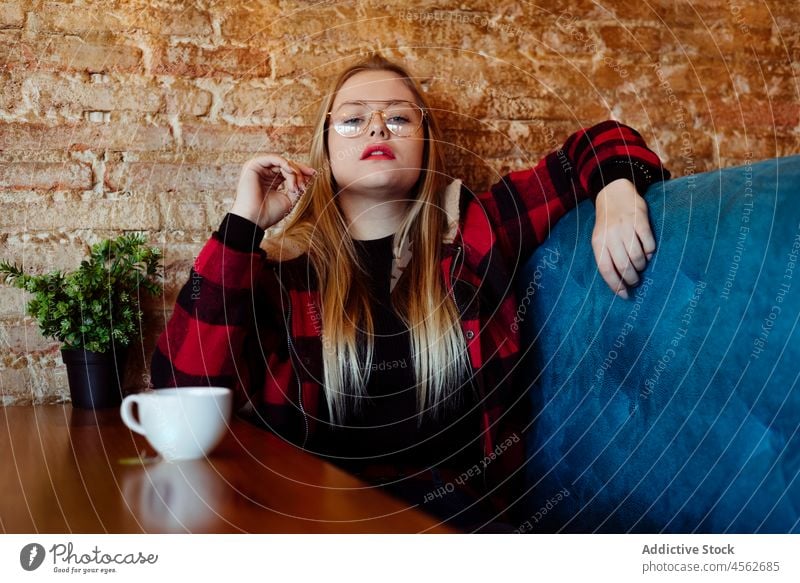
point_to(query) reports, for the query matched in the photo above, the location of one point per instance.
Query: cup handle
(126, 411)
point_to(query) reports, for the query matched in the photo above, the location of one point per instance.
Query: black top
(385, 429)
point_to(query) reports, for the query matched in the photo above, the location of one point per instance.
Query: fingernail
(649, 256)
(623, 294)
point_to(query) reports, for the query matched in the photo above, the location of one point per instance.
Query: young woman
(374, 325)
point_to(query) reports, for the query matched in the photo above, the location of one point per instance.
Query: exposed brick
(265, 103)
(543, 75)
(123, 17)
(563, 13)
(10, 49)
(785, 14)
(94, 53)
(481, 143)
(252, 23)
(461, 108)
(185, 99)
(218, 207)
(754, 13)
(745, 112)
(12, 15)
(466, 29)
(175, 176)
(40, 252)
(44, 176)
(94, 56)
(193, 61)
(130, 134)
(769, 78)
(700, 13)
(701, 155)
(183, 212)
(525, 108)
(71, 18)
(718, 41)
(12, 300)
(70, 96)
(38, 384)
(226, 138)
(743, 144)
(623, 40)
(134, 213)
(11, 99)
(570, 38)
(23, 337)
(691, 77)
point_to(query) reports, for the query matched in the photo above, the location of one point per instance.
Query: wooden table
(66, 470)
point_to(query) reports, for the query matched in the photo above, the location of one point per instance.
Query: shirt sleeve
(524, 205)
(203, 343)
(642, 171)
(240, 233)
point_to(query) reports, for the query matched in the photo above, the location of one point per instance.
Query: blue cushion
(677, 410)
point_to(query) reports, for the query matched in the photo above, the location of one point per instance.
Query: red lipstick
(381, 152)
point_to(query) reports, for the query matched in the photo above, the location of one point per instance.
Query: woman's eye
(353, 120)
(398, 119)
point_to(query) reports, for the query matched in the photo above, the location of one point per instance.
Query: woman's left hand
(622, 239)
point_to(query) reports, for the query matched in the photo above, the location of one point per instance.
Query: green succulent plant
(98, 304)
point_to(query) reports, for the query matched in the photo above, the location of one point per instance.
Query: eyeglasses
(402, 118)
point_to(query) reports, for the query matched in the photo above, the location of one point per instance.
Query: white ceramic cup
(182, 423)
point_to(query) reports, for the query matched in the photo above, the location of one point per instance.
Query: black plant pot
(95, 378)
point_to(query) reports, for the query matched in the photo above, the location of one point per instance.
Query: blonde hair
(438, 348)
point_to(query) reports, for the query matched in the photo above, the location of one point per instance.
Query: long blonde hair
(438, 348)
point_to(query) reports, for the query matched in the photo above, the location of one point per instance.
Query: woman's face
(375, 175)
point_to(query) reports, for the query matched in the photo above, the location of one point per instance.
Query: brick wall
(129, 115)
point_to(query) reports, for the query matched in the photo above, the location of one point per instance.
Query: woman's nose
(376, 125)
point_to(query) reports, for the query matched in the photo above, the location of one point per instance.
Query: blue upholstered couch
(677, 410)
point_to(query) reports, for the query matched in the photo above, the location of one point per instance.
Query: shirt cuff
(637, 172)
(240, 233)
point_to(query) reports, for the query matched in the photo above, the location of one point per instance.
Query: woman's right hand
(257, 196)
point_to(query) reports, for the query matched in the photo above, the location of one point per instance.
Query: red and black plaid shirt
(246, 321)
